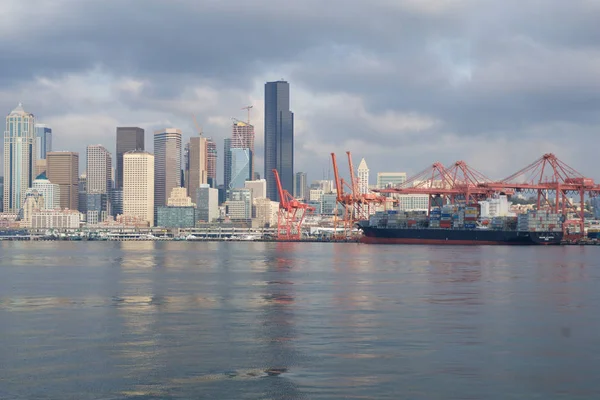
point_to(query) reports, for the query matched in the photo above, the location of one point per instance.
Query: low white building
(497, 207)
(55, 219)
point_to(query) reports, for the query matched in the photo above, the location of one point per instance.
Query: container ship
(462, 225)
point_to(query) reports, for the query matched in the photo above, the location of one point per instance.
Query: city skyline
(447, 91)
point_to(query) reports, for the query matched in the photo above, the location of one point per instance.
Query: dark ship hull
(383, 235)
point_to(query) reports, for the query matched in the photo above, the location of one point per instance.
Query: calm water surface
(168, 320)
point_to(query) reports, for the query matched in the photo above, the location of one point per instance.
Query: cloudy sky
(402, 83)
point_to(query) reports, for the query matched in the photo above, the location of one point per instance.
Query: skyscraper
(138, 185)
(19, 157)
(49, 190)
(128, 139)
(98, 170)
(167, 164)
(363, 177)
(242, 137)
(241, 161)
(279, 137)
(63, 170)
(197, 165)
(226, 163)
(211, 174)
(43, 140)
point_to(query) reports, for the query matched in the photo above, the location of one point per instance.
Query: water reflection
(277, 321)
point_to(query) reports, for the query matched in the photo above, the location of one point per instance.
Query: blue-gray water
(169, 320)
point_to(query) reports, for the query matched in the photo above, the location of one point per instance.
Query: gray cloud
(403, 83)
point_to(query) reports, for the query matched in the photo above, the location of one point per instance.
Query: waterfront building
(279, 138)
(179, 198)
(207, 203)
(412, 202)
(96, 208)
(63, 170)
(128, 139)
(265, 212)
(242, 137)
(55, 219)
(390, 179)
(167, 164)
(50, 191)
(176, 217)
(34, 201)
(211, 172)
(196, 164)
(329, 204)
(239, 204)
(138, 185)
(43, 141)
(363, 177)
(241, 162)
(19, 157)
(300, 186)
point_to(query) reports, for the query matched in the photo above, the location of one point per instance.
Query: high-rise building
(99, 183)
(43, 140)
(82, 189)
(211, 173)
(226, 163)
(138, 185)
(241, 163)
(300, 186)
(390, 179)
(63, 169)
(1, 194)
(242, 137)
(279, 137)
(197, 164)
(128, 139)
(19, 157)
(98, 171)
(49, 190)
(167, 164)
(363, 177)
(207, 203)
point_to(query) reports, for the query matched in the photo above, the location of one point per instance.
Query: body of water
(177, 320)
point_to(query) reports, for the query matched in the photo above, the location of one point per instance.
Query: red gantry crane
(291, 213)
(552, 181)
(357, 206)
(458, 182)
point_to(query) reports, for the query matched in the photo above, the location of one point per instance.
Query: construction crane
(198, 127)
(248, 109)
(291, 213)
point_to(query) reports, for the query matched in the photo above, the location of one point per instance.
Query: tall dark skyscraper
(128, 139)
(279, 137)
(226, 163)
